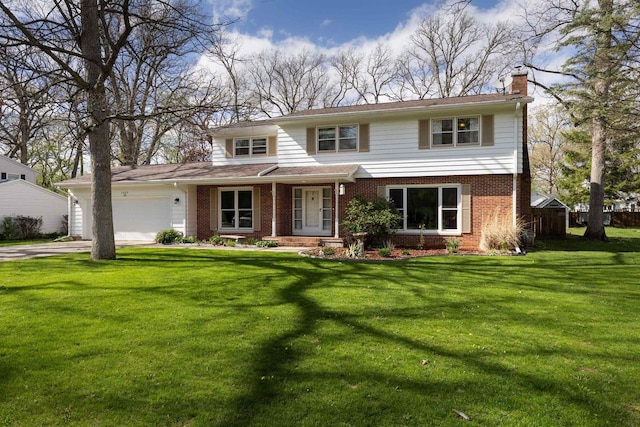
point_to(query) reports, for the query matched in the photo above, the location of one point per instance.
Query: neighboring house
(19, 195)
(448, 165)
(11, 170)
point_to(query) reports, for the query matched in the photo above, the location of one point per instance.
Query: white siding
(10, 166)
(218, 153)
(27, 199)
(394, 152)
(139, 212)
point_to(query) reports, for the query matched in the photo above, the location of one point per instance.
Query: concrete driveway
(10, 253)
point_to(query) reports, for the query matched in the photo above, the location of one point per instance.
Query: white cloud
(326, 23)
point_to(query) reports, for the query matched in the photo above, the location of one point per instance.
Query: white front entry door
(312, 211)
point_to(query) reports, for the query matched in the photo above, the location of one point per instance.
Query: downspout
(514, 198)
(337, 220)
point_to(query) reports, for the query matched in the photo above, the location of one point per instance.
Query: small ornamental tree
(378, 218)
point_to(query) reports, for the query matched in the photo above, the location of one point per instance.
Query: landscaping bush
(20, 227)
(167, 237)
(189, 239)
(266, 243)
(378, 218)
(216, 240)
(452, 244)
(384, 252)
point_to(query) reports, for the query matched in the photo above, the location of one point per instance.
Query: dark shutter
(228, 148)
(311, 141)
(424, 134)
(272, 146)
(487, 130)
(363, 135)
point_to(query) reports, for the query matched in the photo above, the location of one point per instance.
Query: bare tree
(546, 129)
(453, 54)
(27, 101)
(282, 83)
(85, 40)
(370, 76)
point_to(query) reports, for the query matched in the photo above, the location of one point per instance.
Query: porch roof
(206, 173)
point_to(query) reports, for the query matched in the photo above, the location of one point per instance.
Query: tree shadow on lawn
(271, 360)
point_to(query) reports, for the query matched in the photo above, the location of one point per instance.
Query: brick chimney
(519, 84)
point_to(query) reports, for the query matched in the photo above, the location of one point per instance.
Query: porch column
(337, 196)
(274, 211)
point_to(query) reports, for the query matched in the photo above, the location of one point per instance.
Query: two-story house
(448, 165)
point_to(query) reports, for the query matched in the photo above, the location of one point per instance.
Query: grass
(210, 337)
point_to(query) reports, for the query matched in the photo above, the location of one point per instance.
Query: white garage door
(140, 219)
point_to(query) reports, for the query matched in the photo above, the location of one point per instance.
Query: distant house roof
(17, 163)
(206, 173)
(548, 201)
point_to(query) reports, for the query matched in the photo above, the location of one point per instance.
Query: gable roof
(17, 163)
(546, 201)
(397, 107)
(206, 173)
(26, 184)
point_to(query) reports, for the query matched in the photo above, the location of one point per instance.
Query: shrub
(189, 239)
(266, 243)
(499, 233)
(30, 227)
(216, 240)
(378, 218)
(452, 244)
(9, 229)
(384, 252)
(406, 252)
(230, 243)
(329, 251)
(20, 227)
(353, 251)
(167, 237)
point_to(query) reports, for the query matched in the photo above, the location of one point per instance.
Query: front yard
(212, 337)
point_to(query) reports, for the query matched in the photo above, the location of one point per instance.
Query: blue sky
(329, 22)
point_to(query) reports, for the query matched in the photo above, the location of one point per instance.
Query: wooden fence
(616, 219)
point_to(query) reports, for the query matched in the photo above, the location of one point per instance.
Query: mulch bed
(373, 254)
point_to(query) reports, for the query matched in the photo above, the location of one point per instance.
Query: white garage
(140, 218)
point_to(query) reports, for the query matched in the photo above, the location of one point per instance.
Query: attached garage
(140, 218)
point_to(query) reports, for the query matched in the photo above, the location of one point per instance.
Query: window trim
(440, 231)
(236, 209)
(251, 153)
(454, 131)
(337, 138)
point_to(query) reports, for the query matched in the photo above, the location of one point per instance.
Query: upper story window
(250, 147)
(337, 138)
(455, 131)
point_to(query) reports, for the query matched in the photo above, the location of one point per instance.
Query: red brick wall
(489, 193)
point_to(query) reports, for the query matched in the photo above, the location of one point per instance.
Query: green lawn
(218, 338)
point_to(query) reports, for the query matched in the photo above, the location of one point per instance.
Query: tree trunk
(103, 245)
(595, 227)
(599, 134)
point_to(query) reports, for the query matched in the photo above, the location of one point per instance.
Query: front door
(312, 211)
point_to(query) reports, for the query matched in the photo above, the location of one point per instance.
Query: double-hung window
(337, 138)
(455, 131)
(236, 209)
(250, 147)
(430, 208)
